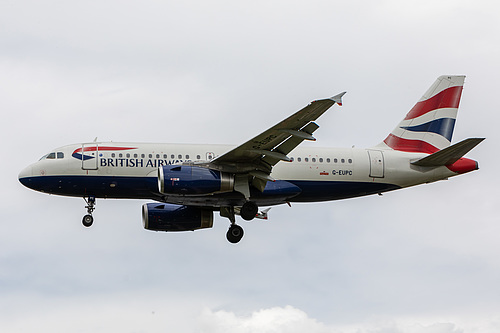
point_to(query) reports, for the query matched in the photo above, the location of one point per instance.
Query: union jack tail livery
(428, 127)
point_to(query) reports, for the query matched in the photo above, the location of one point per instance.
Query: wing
(257, 156)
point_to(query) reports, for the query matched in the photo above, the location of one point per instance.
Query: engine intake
(170, 217)
(192, 180)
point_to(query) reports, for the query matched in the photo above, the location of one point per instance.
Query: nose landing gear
(89, 219)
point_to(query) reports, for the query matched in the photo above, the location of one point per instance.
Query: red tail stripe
(448, 98)
(411, 146)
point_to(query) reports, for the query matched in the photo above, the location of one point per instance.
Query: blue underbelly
(147, 188)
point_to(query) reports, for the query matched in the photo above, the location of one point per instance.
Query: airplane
(189, 182)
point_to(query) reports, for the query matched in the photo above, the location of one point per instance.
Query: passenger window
(335, 160)
(135, 155)
(349, 160)
(291, 159)
(113, 155)
(321, 160)
(180, 156)
(328, 160)
(187, 157)
(299, 159)
(198, 157)
(157, 155)
(120, 155)
(306, 159)
(128, 155)
(172, 156)
(60, 154)
(342, 160)
(143, 156)
(51, 156)
(165, 156)
(313, 159)
(150, 155)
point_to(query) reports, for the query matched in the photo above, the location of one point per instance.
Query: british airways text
(136, 162)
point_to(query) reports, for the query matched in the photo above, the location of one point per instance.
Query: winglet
(338, 98)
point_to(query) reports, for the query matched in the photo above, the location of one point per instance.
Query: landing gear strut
(248, 212)
(235, 232)
(88, 219)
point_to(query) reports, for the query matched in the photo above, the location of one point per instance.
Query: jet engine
(170, 217)
(193, 180)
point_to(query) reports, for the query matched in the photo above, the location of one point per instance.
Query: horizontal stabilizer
(449, 155)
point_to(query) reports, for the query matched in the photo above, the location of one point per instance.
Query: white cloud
(290, 319)
(273, 320)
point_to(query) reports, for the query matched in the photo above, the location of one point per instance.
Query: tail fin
(428, 127)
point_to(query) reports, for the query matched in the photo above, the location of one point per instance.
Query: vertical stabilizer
(428, 127)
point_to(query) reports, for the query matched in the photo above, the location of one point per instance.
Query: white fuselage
(130, 170)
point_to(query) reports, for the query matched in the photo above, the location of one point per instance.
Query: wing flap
(293, 141)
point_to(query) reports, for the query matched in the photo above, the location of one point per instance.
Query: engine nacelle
(170, 217)
(192, 180)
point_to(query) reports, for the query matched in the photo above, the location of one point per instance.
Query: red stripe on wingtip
(448, 98)
(411, 146)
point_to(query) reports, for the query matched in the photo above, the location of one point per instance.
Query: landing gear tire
(87, 220)
(249, 210)
(234, 234)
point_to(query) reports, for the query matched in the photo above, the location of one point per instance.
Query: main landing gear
(88, 219)
(234, 234)
(248, 212)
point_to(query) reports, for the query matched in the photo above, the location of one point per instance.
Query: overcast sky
(418, 260)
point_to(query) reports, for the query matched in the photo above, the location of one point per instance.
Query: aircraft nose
(25, 175)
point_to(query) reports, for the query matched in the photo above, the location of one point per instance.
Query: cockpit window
(53, 156)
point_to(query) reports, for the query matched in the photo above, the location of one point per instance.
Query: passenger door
(376, 163)
(90, 156)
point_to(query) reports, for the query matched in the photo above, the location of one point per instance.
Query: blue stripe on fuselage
(334, 190)
(147, 188)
